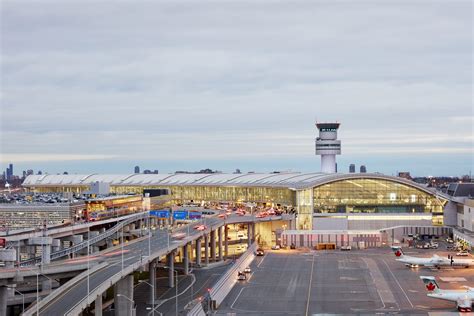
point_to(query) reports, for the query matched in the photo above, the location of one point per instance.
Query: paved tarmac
(295, 282)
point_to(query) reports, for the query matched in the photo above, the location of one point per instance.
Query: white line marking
(258, 265)
(396, 280)
(238, 295)
(373, 280)
(309, 288)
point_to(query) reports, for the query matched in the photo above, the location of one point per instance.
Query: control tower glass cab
(328, 146)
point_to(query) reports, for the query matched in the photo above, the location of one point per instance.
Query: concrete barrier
(225, 284)
(31, 310)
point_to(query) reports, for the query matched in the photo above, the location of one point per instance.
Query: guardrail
(197, 309)
(84, 244)
(223, 286)
(31, 310)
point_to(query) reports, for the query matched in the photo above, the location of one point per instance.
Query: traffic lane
(204, 279)
(278, 285)
(79, 291)
(136, 251)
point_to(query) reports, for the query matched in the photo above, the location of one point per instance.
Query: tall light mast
(328, 146)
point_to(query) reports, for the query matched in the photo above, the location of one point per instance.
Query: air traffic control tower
(328, 146)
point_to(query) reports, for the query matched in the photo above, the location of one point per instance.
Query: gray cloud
(174, 79)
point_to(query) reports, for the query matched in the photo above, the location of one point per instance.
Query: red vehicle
(240, 212)
(3, 242)
(200, 227)
(222, 216)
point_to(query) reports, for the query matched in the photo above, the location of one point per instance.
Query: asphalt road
(292, 282)
(133, 252)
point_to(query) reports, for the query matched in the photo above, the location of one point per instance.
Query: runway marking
(309, 287)
(398, 283)
(373, 280)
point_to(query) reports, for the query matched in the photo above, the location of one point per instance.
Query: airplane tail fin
(430, 283)
(397, 251)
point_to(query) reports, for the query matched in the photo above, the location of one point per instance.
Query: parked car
(247, 270)
(276, 247)
(241, 276)
(259, 252)
(463, 253)
(449, 240)
(348, 247)
(292, 246)
(433, 245)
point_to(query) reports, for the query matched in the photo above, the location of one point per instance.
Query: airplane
(435, 261)
(463, 298)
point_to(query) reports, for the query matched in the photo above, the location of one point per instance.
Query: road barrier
(223, 286)
(31, 310)
(84, 244)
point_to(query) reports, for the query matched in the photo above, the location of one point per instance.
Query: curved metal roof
(291, 180)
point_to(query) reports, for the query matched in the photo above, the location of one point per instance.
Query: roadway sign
(162, 214)
(180, 215)
(194, 215)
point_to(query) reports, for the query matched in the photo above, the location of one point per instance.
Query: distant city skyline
(187, 86)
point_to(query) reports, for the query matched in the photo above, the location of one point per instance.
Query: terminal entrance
(327, 246)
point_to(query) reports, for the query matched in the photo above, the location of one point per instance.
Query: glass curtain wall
(375, 196)
(183, 194)
(304, 204)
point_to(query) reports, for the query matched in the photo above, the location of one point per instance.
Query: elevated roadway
(133, 256)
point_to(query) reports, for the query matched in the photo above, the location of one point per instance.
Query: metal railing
(84, 244)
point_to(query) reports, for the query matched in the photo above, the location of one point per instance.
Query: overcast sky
(89, 86)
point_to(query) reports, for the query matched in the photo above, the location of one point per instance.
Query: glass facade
(375, 196)
(183, 194)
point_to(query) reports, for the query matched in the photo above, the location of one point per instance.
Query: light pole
(152, 296)
(131, 306)
(23, 297)
(176, 286)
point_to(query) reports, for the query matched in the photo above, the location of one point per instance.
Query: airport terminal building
(331, 204)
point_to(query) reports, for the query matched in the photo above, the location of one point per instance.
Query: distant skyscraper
(137, 169)
(363, 169)
(155, 171)
(352, 168)
(40, 172)
(9, 172)
(146, 171)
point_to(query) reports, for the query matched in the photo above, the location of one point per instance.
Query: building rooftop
(290, 180)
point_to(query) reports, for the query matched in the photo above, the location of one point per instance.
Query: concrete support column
(219, 235)
(249, 234)
(226, 242)
(198, 252)
(171, 269)
(46, 285)
(152, 279)
(98, 306)
(123, 305)
(94, 248)
(3, 300)
(253, 232)
(56, 245)
(206, 249)
(186, 259)
(213, 245)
